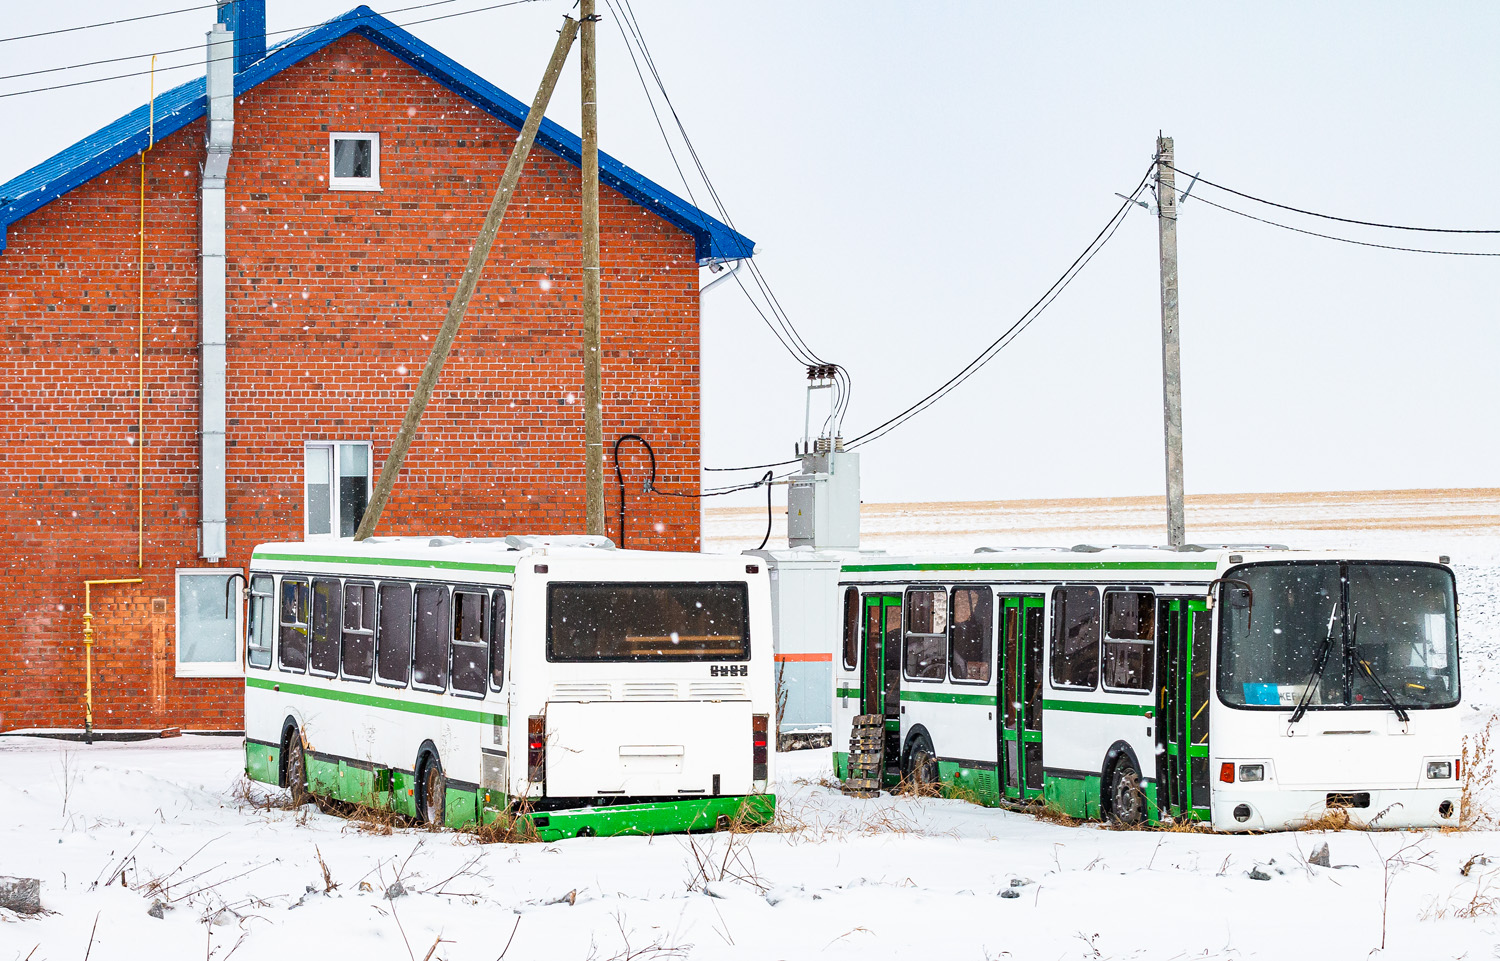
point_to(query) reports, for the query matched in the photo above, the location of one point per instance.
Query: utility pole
(478, 254)
(593, 398)
(1171, 371)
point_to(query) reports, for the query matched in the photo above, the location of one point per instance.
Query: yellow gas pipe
(88, 652)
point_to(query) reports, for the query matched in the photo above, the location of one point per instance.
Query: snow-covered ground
(112, 829)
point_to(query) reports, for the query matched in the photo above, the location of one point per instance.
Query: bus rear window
(647, 622)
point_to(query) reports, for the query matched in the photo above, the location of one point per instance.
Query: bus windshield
(647, 622)
(1389, 630)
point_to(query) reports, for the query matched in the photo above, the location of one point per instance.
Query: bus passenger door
(1019, 717)
(1182, 775)
(881, 687)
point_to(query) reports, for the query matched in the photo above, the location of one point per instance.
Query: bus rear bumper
(671, 817)
(1290, 810)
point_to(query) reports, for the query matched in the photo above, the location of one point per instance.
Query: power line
(1015, 329)
(1350, 240)
(287, 45)
(108, 23)
(1344, 220)
(630, 48)
(793, 341)
(194, 47)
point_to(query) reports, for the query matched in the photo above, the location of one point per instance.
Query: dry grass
(1052, 814)
(511, 826)
(1478, 778)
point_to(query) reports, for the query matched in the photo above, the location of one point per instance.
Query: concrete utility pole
(1171, 372)
(593, 398)
(466, 284)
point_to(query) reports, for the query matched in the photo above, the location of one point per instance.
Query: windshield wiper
(1390, 698)
(1317, 674)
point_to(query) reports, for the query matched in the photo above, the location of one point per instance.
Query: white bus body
(1148, 684)
(584, 689)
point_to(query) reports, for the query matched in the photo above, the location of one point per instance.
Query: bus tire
(921, 770)
(294, 769)
(432, 790)
(1127, 802)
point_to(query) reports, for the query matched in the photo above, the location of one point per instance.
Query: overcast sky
(915, 175)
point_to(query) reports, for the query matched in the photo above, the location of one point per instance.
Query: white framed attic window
(354, 161)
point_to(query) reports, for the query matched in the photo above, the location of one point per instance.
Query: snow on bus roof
(492, 551)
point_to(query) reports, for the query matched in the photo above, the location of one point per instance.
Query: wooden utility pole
(593, 398)
(1171, 372)
(478, 254)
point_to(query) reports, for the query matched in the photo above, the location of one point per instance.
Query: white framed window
(336, 487)
(354, 161)
(208, 622)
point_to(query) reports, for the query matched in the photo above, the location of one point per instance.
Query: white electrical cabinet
(805, 619)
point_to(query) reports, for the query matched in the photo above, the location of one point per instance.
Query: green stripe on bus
(389, 561)
(1043, 566)
(944, 697)
(1095, 707)
(372, 700)
(849, 692)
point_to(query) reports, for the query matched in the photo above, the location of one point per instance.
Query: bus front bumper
(1284, 809)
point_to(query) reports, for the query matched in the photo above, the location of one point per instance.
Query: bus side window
(497, 643)
(1129, 628)
(470, 651)
(294, 597)
(973, 640)
(851, 628)
(393, 642)
(327, 603)
(359, 630)
(429, 663)
(926, 633)
(262, 628)
(1075, 637)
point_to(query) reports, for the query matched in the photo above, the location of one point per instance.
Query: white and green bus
(1252, 689)
(581, 689)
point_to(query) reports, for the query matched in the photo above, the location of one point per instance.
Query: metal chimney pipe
(213, 523)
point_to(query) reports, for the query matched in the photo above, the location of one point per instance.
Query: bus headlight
(1437, 770)
(1252, 772)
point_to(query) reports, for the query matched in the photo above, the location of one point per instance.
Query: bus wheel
(921, 767)
(1127, 802)
(296, 767)
(434, 791)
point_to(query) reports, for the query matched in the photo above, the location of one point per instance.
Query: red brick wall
(332, 299)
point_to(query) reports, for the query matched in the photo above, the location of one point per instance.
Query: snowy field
(113, 829)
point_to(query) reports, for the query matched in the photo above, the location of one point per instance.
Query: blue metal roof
(180, 106)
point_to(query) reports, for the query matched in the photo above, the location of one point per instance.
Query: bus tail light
(760, 726)
(1226, 772)
(536, 746)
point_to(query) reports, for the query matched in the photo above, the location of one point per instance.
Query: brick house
(360, 167)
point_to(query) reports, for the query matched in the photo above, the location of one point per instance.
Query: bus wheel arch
(919, 758)
(432, 785)
(1122, 786)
